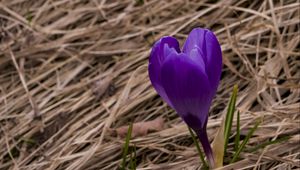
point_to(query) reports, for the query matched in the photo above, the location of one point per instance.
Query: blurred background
(73, 75)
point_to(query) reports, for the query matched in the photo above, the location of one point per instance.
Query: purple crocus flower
(187, 79)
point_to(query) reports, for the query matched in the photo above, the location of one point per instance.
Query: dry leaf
(142, 128)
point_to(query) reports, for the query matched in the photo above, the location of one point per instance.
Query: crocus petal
(188, 89)
(207, 42)
(197, 57)
(159, 53)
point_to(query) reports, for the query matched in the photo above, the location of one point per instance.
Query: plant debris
(80, 66)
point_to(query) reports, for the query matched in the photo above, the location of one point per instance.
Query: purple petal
(188, 89)
(159, 53)
(209, 46)
(197, 57)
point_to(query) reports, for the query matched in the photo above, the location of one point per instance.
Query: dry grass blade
(71, 71)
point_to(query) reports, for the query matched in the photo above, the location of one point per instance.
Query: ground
(72, 72)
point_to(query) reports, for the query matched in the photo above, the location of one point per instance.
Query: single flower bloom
(187, 79)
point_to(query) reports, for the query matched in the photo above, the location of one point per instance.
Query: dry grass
(72, 71)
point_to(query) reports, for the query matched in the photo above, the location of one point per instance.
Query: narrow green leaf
(139, 2)
(29, 141)
(134, 162)
(198, 148)
(133, 159)
(126, 146)
(264, 144)
(245, 141)
(237, 136)
(229, 116)
(29, 17)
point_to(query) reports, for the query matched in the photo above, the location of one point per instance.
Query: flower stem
(198, 149)
(202, 135)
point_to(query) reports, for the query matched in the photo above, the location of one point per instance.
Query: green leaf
(245, 141)
(264, 144)
(133, 159)
(198, 148)
(229, 116)
(126, 146)
(139, 2)
(237, 136)
(134, 162)
(29, 141)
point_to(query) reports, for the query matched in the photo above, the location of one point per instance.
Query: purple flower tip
(187, 79)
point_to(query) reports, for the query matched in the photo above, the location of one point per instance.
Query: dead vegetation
(73, 71)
